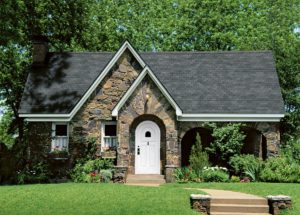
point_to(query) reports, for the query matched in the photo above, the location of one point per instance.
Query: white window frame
(103, 124)
(54, 137)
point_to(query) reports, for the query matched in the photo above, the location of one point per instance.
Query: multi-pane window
(60, 137)
(109, 135)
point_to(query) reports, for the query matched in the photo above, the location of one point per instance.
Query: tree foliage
(198, 157)
(152, 25)
(227, 140)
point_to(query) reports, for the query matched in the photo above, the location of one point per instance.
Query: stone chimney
(40, 49)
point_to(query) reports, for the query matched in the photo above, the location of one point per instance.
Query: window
(148, 134)
(60, 137)
(109, 135)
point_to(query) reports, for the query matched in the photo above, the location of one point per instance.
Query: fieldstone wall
(157, 106)
(87, 122)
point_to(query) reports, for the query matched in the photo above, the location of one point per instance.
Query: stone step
(239, 208)
(243, 201)
(145, 179)
(146, 176)
(233, 213)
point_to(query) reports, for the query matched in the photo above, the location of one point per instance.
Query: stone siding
(87, 122)
(157, 108)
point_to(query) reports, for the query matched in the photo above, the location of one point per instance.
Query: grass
(105, 199)
(91, 199)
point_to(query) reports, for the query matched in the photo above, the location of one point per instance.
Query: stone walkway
(236, 203)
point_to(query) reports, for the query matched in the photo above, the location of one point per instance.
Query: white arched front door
(147, 148)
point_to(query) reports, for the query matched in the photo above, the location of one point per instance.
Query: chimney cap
(39, 39)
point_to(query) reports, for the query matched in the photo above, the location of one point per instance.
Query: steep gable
(61, 88)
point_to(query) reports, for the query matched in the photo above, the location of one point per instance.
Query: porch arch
(189, 139)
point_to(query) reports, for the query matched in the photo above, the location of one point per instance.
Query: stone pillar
(170, 173)
(172, 155)
(272, 134)
(120, 174)
(200, 203)
(277, 203)
(123, 147)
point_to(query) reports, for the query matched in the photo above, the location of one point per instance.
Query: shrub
(185, 174)
(228, 140)
(245, 163)
(215, 174)
(235, 179)
(198, 158)
(37, 173)
(292, 148)
(281, 169)
(105, 175)
(83, 172)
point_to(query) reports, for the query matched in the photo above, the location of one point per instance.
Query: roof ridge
(168, 52)
(209, 52)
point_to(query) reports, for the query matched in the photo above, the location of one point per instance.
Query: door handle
(138, 150)
(148, 143)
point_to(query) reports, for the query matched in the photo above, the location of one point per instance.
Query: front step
(242, 201)
(239, 208)
(145, 179)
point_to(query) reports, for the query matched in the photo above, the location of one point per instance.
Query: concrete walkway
(235, 203)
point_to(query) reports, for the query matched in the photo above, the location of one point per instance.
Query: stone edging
(200, 203)
(279, 202)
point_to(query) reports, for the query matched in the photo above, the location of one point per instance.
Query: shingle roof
(199, 82)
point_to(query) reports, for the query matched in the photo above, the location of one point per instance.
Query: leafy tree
(198, 158)
(152, 25)
(5, 135)
(227, 140)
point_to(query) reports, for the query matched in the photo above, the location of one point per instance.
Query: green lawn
(91, 199)
(73, 198)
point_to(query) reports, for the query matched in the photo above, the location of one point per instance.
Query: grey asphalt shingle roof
(199, 82)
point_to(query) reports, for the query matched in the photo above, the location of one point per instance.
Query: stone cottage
(144, 108)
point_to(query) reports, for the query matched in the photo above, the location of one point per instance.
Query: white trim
(48, 119)
(53, 134)
(103, 123)
(132, 88)
(231, 117)
(126, 45)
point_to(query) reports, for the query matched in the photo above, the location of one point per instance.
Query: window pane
(148, 134)
(110, 130)
(61, 130)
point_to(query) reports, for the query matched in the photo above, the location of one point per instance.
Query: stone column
(123, 138)
(272, 134)
(172, 157)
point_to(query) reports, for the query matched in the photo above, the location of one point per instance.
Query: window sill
(109, 154)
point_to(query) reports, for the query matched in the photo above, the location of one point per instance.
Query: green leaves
(228, 140)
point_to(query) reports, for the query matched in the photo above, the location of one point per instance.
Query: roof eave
(231, 117)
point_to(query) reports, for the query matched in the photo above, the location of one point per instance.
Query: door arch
(147, 148)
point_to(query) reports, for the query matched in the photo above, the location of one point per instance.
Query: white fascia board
(139, 79)
(48, 119)
(41, 117)
(44, 115)
(231, 117)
